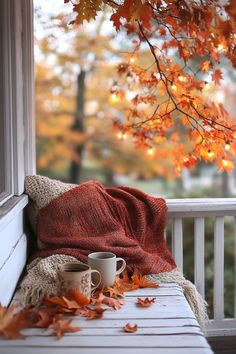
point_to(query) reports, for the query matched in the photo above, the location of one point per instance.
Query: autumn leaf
(39, 317)
(114, 292)
(55, 300)
(71, 304)
(78, 297)
(86, 10)
(95, 313)
(141, 282)
(59, 327)
(109, 301)
(225, 164)
(217, 76)
(206, 65)
(145, 302)
(197, 32)
(130, 329)
(11, 322)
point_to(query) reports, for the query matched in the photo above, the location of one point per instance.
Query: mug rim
(95, 255)
(84, 267)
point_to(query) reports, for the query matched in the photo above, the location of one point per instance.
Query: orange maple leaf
(124, 283)
(205, 66)
(145, 302)
(225, 164)
(141, 282)
(55, 300)
(59, 327)
(86, 10)
(113, 291)
(11, 322)
(217, 76)
(130, 329)
(78, 297)
(94, 313)
(109, 301)
(39, 317)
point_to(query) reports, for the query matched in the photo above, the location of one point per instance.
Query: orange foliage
(145, 302)
(169, 95)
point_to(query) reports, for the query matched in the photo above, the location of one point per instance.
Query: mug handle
(120, 270)
(99, 281)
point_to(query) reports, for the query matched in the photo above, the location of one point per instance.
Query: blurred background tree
(78, 98)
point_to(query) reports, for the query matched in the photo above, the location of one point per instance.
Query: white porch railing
(199, 209)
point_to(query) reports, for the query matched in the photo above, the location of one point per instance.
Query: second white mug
(106, 264)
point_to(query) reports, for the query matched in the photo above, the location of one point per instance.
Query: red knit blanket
(122, 220)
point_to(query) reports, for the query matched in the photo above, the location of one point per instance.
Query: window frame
(17, 135)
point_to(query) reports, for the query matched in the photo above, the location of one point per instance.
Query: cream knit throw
(41, 281)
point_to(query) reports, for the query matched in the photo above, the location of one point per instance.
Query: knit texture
(89, 218)
(41, 278)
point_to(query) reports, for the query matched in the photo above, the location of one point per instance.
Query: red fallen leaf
(123, 286)
(39, 317)
(142, 283)
(78, 297)
(82, 311)
(115, 303)
(59, 327)
(217, 76)
(95, 313)
(71, 304)
(130, 329)
(55, 300)
(114, 292)
(11, 323)
(125, 283)
(145, 302)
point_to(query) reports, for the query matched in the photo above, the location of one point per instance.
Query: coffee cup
(77, 277)
(106, 264)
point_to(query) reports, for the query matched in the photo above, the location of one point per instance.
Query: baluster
(235, 266)
(199, 249)
(177, 242)
(219, 268)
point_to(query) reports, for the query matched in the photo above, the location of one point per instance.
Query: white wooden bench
(167, 327)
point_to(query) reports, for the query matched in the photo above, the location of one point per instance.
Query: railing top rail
(202, 206)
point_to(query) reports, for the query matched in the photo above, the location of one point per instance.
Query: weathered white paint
(177, 242)
(201, 207)
(12, 269)
(75, 350)
(13, 94)
(10, 236)
(28, 87)
(198, 209)
(157, 332)
(11, 209)
(235, 266)
(199, 252)
(16, 95)
(219, 268)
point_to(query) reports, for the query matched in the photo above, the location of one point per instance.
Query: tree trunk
(225, 184)
(75, 170)
(109, 178)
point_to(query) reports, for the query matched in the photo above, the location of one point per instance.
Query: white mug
(106, 264)
(77, 277)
